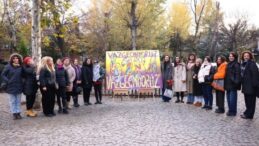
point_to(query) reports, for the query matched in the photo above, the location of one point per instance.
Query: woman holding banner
(167, 76)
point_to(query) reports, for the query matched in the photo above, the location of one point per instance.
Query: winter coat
(61, 77)
(221, 71)
(179, 77)
(47, 78)
(249, 77)
(233, 76)
(197, 87)
(30, 85)
(189, 77)
(77, 69)
(167, 74)
(12, 75)
(87, 76)
(71, 76)
(204, 71)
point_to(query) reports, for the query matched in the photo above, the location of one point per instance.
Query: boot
(14, 116)
(18, 116)
(76, 103)
(31, 113)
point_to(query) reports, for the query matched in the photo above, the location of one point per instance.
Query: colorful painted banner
(133, 70)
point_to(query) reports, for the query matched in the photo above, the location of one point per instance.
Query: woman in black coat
(167, 76)
(249, 81)
(30, 85)
(62, 81)
(87, 80)
(48, 85)
(232, 83)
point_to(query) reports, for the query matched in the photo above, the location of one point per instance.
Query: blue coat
(13, 77)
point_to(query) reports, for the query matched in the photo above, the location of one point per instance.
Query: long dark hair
(234, 54)
(175, 63)
(18, 56)
(189, 57)
(85, 62)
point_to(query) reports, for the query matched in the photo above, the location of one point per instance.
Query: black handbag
(78, 90)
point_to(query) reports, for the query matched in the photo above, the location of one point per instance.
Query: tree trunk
(12, 27)
(36, 40)
(133, 26)
(36, 31)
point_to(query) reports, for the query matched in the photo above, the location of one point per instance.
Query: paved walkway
(130, 122)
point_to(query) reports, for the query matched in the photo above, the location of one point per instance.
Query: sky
(231, 8)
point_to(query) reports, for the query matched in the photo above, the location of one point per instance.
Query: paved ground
(130, 122)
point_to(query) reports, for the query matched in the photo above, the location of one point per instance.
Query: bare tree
(133, 24)
(198, 9)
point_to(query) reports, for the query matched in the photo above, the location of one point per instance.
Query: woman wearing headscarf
(12, 77)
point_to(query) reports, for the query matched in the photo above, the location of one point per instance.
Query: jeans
(190, 98)
(15, 103)
(232, 101)
(207, 94)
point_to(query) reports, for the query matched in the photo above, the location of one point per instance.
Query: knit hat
(27, 60)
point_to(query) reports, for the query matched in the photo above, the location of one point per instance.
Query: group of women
(198, 78)
(66, 79)
(57, 82)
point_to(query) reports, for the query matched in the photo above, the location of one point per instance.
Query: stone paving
(130, 122)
